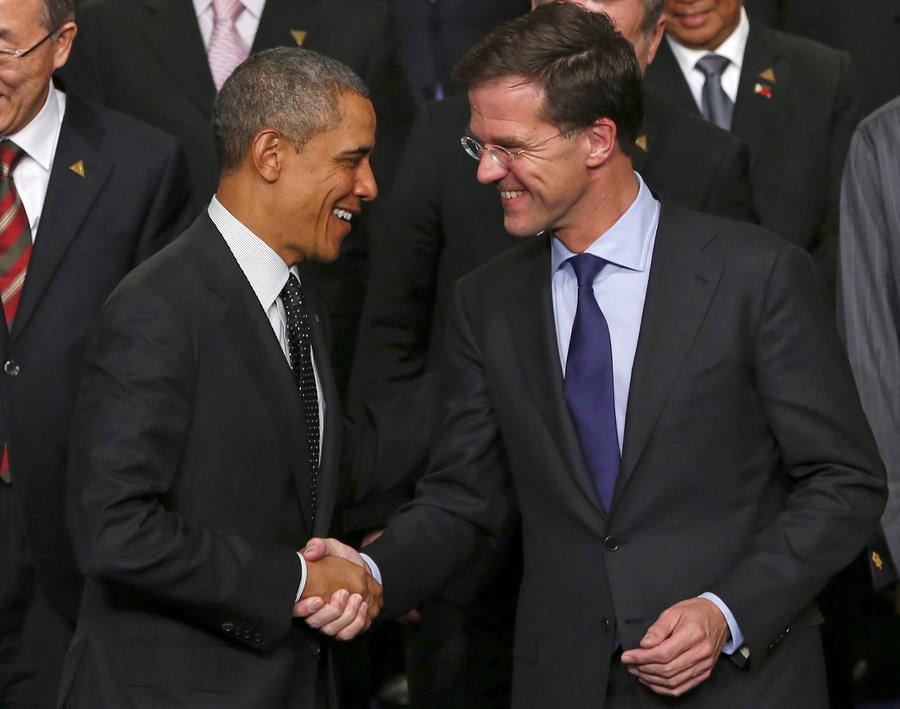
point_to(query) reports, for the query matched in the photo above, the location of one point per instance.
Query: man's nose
(489, 170)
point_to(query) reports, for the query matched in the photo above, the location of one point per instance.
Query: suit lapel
(529, 306)
(170, 28)
(683, 279)
(252, 335)
(70, 196)
(283, 23)
(329, 464)
(665, 78)
(764, 77)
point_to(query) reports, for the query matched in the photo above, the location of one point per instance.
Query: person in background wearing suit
(164, 60)
(86, 194)
(868, 299)
(441, 224)
(869, 31)
(662, 396)
(795, 101)
(207, 446)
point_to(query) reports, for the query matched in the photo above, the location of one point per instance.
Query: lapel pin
(641, 142)
(768, 75)
(763, 90)
(876, 559)
(299, 36)
(78, 168)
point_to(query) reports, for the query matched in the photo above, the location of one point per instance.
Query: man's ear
(653, 40)
(602, 136)
(62, 44)
(267, 154)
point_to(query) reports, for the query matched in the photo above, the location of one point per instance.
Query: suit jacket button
(315, 650)
(612, 544)
(228, 628)
(257, 639)
(606, 624)
(11, 368)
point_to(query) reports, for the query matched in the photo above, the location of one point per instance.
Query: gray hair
(292, 90)
(57, 12)
(652, 11)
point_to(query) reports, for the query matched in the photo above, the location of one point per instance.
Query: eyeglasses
(8, 57)
(504, 157)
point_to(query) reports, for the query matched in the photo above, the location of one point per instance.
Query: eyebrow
(505, 141)
(359, 152)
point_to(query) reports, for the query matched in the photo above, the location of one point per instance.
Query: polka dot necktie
(15, 251)
(299, 343)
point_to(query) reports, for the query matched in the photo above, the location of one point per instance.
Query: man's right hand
(338, 573)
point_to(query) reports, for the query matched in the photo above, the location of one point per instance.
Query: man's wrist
(373, 568)
(302, 586)
(737, 637)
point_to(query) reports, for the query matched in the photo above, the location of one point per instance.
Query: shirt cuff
(302, 578)
(373, 568)
(737, 637)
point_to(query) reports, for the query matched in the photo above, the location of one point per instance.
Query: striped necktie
(226, 48)
(15, 250)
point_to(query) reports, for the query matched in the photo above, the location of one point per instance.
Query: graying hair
(292, 90)
(652, 11)
(57, 12)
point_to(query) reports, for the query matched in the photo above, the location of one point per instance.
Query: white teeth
(342, 214)
(511, 194)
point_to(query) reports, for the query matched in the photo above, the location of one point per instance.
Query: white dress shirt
(732, 48)
(267, 274)
(38, 140)
(246, 23)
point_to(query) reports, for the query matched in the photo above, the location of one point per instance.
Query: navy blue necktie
(589, 381)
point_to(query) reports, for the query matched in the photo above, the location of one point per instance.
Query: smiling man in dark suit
(207, 447)
(163, 61)
(795, 101)
(86, 195)
(662, 396)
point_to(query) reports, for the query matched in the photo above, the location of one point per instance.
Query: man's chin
(520, 229)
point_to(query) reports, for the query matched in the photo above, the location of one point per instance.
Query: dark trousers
(33, 635)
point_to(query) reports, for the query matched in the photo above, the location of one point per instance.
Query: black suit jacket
(146, 58)
(190, 492)
(94, 228)
(798, 136)
(869, 31)
(748, 468)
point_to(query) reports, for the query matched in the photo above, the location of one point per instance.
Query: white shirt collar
(38, 139)
(625, 242)
(264, 269)
(732, 48)
(254, 7)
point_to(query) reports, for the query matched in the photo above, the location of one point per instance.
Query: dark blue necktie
(589, 381)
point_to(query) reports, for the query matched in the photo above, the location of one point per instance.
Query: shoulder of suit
(884, 117)
(125, 133)
(672, 122)
(814, 56)
(172, 272)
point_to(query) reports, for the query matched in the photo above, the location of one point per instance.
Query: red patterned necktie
(15, 249)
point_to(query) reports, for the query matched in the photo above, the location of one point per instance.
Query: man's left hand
(681, 648)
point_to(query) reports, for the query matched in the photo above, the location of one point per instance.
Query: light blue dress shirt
(620, 289)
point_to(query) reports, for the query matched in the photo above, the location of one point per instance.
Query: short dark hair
(292, 90)
(586, 69)
(57, 13)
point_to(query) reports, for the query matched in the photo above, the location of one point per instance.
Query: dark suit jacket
(869, 31)
(146, 58)
(94, 229)
(441, 224)
(748, 468)
(189, 493)
(798, 136)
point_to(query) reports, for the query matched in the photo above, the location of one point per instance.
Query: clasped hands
(336, 572)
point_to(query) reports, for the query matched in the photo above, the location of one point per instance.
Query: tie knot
(292, 293)
(586, 267)
(227, 10)
(10, 154)
(712, 64)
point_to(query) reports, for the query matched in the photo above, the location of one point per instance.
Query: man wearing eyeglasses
(660, 394)
(85, 194)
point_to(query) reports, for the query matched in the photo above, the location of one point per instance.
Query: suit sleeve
(834, 478)
(169, 213)
(132, 417)
(845, 117)
(869, 304)
(464, 504)
(731, 195)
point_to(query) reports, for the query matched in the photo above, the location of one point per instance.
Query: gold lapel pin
(768, 75)
(641, 142)
(876, 559)
(299, 36)
(78, 168)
